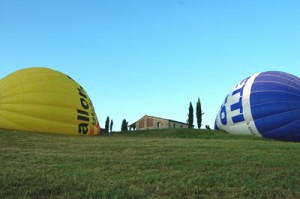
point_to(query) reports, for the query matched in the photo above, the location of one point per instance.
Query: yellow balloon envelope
(45, 100)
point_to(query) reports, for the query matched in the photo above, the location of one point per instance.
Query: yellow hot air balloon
(44, 100)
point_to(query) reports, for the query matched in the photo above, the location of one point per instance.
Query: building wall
(160, 123)
(148, 122)
(174, 124)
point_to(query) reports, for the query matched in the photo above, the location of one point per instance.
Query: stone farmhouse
(151, 122)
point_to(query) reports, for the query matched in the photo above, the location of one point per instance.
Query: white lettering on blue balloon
(235, 115)
(237, 106)
(223, 113)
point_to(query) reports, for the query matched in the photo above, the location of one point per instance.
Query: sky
(153, 57)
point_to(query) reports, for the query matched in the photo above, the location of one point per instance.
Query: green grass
(178, 163)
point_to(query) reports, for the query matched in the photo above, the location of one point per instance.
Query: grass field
(150, 164)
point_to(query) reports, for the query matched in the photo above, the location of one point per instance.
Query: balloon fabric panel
(288, 132)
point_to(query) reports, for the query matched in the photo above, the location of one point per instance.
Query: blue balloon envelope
(266, 104)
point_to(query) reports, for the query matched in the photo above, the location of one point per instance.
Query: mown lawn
(150, 164)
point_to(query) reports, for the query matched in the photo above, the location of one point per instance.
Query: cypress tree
(199, 113)
(107, 125)
(111, 125)
(124, 125)
(191, 116)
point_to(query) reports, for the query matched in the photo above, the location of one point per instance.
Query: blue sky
(138, 57)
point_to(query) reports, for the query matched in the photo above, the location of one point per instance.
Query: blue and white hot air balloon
(266, 104)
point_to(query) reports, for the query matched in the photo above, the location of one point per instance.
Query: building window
(181, 126)
(174, 125)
